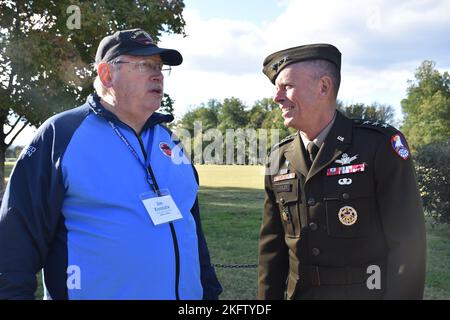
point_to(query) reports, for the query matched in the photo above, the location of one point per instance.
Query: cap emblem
(141, 37)
(278, 64)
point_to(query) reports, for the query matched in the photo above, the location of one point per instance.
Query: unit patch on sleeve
(399, 145)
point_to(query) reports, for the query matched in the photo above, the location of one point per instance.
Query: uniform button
(282, 201)
(345, 196)
(313, 226)
(311, 201)
(315, 252)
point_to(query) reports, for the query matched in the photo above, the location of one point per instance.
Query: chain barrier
(234, 266)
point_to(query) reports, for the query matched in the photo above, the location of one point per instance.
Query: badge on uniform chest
(347, 216)
(282, 177)
(286, 187)
(283, 173)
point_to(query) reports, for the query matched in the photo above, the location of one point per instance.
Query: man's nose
(157, 77)
(278, 97)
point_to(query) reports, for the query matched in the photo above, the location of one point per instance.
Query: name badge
(161, 209)
(284, 177)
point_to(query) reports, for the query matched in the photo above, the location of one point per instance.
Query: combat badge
(399, 146)
(345, 159)
(347, 215)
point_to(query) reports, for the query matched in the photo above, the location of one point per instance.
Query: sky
(382, 44)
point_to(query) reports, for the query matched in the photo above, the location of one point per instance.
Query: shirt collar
(320, 137)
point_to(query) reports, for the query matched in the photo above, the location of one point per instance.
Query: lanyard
(148, 169)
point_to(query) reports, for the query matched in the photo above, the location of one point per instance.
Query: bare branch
(18, 132)
(13, 126)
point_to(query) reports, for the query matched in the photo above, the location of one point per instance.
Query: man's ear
(104, 74)
(326, 86)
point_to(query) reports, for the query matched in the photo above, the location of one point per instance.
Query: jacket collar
(95, 105)
(336, 142)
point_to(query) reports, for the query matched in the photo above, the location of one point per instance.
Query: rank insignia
(345, 159)
(284, 177)
(165, 149)
(354, 168)
(399, 146)
(347, 216)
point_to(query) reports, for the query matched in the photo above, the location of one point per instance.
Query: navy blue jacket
(72, 207)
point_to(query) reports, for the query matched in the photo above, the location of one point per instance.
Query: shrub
(433, 173)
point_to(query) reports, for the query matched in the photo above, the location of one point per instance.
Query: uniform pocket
(288, 202)
(351, 209)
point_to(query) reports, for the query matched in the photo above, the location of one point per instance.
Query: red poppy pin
(165, 148)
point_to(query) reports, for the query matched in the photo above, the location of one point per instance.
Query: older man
(103, 199)
(342, 215)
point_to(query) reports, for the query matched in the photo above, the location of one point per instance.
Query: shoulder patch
(400, 147)
(284, 141)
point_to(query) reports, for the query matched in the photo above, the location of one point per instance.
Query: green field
(231, 199)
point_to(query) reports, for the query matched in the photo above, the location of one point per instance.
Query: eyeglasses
(148, 68)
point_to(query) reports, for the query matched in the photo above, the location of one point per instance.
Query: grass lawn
(231, 199)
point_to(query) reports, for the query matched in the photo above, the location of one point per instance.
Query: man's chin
(288, 122)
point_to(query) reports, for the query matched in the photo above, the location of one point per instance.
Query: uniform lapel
(295, 155)
(336, 142)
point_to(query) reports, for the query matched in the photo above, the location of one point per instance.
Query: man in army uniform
(342, 214)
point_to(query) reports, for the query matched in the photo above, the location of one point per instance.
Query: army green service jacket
(351, 226)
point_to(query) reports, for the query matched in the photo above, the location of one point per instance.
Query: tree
(206, 114)
(427, 107)
(232, 115)
(260, 111)
(167, 105)
(375, 111)
(45, 65)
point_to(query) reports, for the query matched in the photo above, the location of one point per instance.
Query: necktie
(312, 150)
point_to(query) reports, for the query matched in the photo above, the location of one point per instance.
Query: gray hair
(323, 68)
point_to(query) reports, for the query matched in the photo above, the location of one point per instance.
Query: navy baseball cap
(134, 42)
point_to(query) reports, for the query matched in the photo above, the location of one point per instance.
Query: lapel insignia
(347, 215)
(347, 169)
(346, 159)
(284, 177)
(400, 146)
(341, 139)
